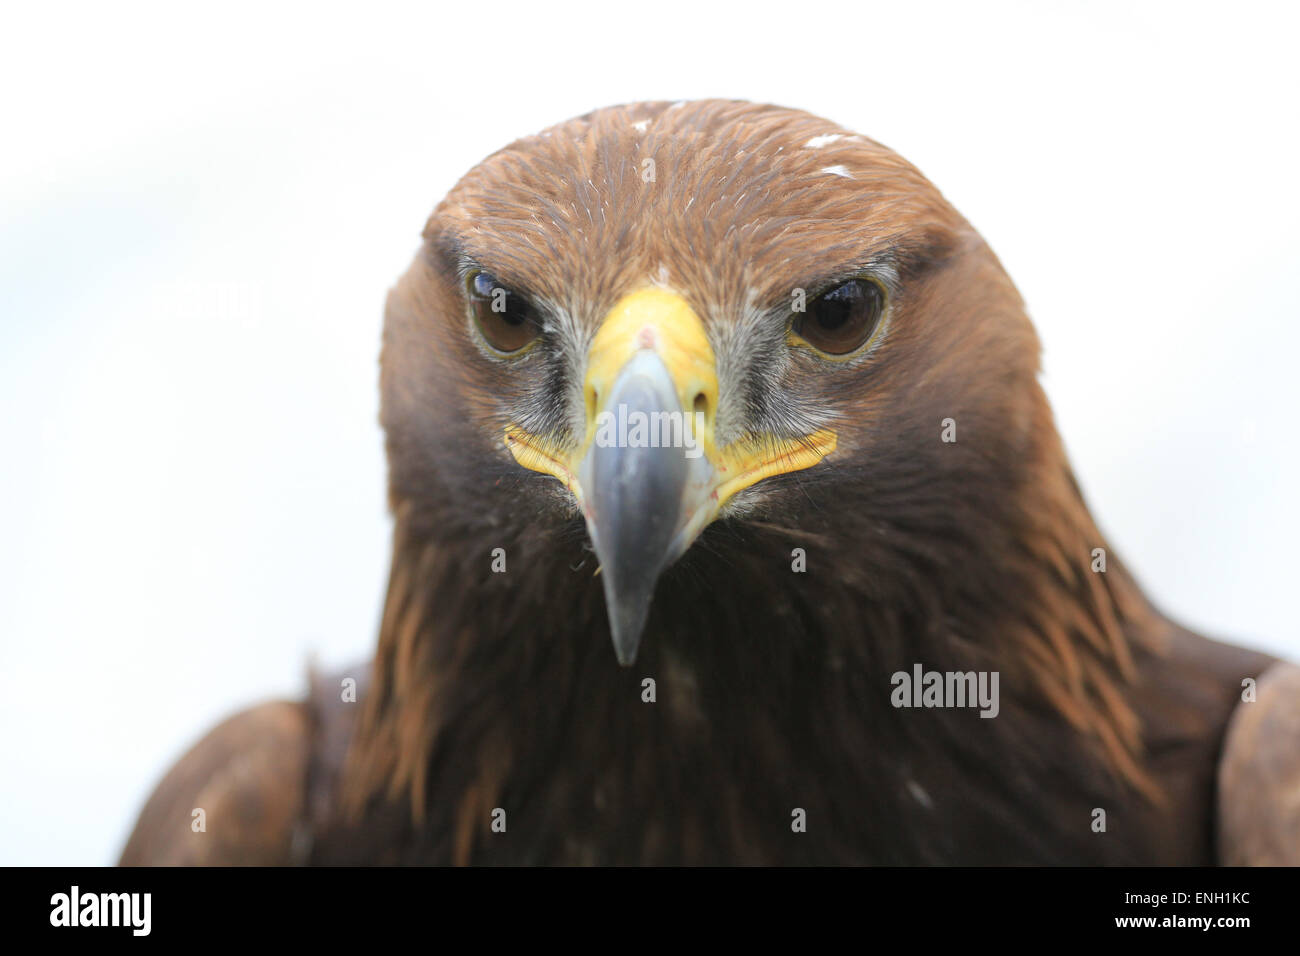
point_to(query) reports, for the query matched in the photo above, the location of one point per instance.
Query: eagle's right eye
(506, 319)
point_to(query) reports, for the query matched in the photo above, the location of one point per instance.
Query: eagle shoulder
(248, 777)
(1259, 775)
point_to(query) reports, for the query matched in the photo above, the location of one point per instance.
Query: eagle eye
(506, 319)
(843, 319)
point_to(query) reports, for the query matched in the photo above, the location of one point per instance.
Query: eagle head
(660, 319)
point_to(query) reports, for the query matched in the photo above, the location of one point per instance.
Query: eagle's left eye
(507, 320)
(842, 319)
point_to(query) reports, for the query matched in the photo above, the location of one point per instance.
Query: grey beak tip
(627, 617)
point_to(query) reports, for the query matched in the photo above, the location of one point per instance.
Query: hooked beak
(649, 476)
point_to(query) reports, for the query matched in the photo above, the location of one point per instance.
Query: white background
(203, 208)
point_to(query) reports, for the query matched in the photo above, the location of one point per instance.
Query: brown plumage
(499, 690)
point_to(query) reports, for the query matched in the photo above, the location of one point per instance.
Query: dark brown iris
(507, 320)
(841, 320)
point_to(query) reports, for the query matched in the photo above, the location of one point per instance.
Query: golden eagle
(738, 390)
